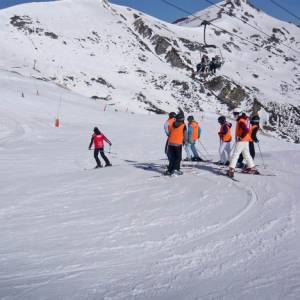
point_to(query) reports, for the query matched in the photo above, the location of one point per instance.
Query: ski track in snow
(120, 233)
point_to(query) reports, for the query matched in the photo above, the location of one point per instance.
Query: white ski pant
(224, 151)
(241, 147)
(191, 150)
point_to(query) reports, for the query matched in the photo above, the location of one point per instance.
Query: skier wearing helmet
(194, 132)
(98, 139)
(176, 138)
(225, 140)
(242, 138)
(253, 134)
(167, 127)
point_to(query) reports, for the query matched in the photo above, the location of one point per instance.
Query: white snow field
(125, 232)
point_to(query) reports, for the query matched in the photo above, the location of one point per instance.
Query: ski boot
(108, 165)
(178, 172)
(230, 172)
(197, 158)
(240, 165)
(98, 166)
(168, 173)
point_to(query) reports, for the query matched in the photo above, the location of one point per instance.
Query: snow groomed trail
(71, 232)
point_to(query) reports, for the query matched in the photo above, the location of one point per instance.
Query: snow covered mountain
(126, 232)
(69, 231)
(135, 62)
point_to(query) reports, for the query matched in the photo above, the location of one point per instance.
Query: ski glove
(238, 139)
(256, 141)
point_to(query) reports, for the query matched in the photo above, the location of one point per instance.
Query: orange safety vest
(225, 137)
(176, 135)
(251, 130)
(170, 123)
(239, 131)
(195, 128)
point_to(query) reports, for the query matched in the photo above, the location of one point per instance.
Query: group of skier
(245, 137)
(179, 134)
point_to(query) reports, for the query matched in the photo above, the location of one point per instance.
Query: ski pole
(201, 154)
(203, 147)
(261, 156)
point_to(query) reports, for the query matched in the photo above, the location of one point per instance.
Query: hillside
(134, 62)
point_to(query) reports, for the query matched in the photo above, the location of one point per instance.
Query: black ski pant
(175, 156)
(252, 152)
(96, 153)
(166, 149)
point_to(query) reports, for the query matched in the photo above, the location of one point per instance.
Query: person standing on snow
(194, 132)
(225, 140)
(167, 126)
(176, 138)
(98, 139)
(242, 138)
(253, 139)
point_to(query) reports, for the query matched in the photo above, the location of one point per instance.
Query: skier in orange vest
(194, 132)
(253, 134)
(225, 140)
(176, 138)
(167, 126)
(242, 138)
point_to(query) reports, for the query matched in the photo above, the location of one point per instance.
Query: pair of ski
(223, 172)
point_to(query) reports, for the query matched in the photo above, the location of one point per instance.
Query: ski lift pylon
(205, 23)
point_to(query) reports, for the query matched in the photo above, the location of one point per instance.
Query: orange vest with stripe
(176, 135)
(227, 136)
(195, 127)
(251, 130)
(239, 130)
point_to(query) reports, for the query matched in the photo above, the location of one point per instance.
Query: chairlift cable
(220, 28)
(254, 27)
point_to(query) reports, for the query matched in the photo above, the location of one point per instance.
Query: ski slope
(125, 232)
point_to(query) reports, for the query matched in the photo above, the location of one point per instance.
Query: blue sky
(162, 11)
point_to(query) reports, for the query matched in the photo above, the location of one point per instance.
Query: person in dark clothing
(212, 66)
(176, 139)
(98, 139)
(254, 121)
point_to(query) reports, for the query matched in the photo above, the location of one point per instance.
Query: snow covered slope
(135, 62)
(71, 232)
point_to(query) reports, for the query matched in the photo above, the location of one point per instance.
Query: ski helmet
(255, 120)
(180, 117)
(96, 130)
(172, 115)
(237, 111)
(190, 118)
(222, 120)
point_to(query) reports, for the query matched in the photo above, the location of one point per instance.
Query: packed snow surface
(126, 232)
